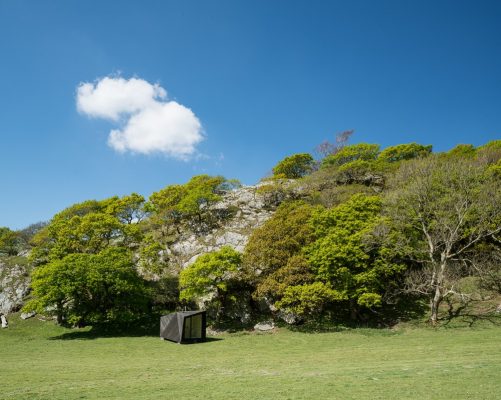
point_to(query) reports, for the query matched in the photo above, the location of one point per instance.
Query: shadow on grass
(146, 328)
(473, 320)
(143, 328)
(407, 309)
(207, 340)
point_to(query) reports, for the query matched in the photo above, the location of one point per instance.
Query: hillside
(360, 236)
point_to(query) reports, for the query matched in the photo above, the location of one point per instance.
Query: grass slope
(42, 361)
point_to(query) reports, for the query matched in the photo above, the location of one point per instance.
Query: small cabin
(184, 326)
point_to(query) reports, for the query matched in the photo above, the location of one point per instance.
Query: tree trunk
(353, 310)
(438, 293)
(59, 313)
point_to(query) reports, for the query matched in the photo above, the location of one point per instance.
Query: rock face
(250, 213)
(14, 285)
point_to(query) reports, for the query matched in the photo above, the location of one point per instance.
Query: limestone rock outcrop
(250, 212)
(14, 285)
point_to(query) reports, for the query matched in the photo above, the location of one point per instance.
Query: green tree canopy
(294, 167)
(404, 152)
(90, 227)
(90, 289)
(9, 241)
(342, 258)
(282, 236)
(443, 207)
(211, 276)
(190, 202)
(350, 153)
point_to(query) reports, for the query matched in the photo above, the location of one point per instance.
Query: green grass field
(39, 360)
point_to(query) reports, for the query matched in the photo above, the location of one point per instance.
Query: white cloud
(149, 123)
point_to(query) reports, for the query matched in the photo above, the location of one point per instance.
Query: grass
(42, 361)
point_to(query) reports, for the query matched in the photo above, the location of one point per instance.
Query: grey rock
(28, 315)
(289, 318)
(264, 326)
(14, 285)
(234, 232)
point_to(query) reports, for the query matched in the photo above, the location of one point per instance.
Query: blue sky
(264, 79)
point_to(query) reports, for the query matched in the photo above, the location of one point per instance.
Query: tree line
(357, 234)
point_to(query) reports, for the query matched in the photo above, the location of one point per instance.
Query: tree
(211, 276)
(354, 152)
(442, 208)
(294, 167)
(89, 227)
(462, 151)
(190, 203)
(281, 237)
(308, 300)
(90, 289)
(9, 241)
(404, 152)
(27, 234)
(356, 270)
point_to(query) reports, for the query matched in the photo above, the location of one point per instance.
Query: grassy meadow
(42, 361)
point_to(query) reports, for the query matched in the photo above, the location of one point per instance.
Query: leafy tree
(462, 151)
(294, 167)
(369, 173)
(354, 152)
(190, 203)
(295, 272)
(83, 289)
(308, 300)
(89, 227)
(282, 236)
(443, 208)
(27, 234)
(128, 209)
(211, 276)
(9, 241)
(343, 259)
(489, 153)
(404, 152)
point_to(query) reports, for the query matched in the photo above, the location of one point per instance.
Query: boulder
(28, 315)
(264, 326)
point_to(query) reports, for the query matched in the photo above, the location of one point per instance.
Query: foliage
(342, 258)
(350, 153)
(190, 202)
(462, 151)
(152, 256)
(90, 227)
(27, 234)
(296, 272)
(83, 289)
(211, 276)
(294, 167)
(404, 152)
(308, 300)
(282, 236)
(442, 208)
(369, 173)
(9, 241)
